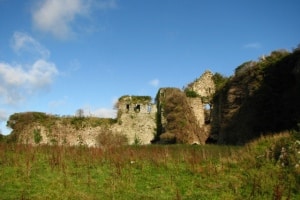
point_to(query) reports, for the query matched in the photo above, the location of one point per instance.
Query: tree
(297, 48)
(80, 113)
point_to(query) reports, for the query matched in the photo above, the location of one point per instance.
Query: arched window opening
(137, 108)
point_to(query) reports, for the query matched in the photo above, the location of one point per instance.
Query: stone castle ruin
(195, 100)
(139, 115)
(137, 119)
(205, 88)
(204, 85)
(136, 104)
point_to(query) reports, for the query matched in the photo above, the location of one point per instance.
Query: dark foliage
(261, 98)
(219, 80)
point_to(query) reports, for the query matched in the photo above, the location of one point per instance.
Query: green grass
(146, 172)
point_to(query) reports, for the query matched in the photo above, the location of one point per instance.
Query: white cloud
(41, 74)
(154, 82)
(99, 112)
(103, 113)
(254, 45)
(21, 42)
(17, 81)
(57, 17)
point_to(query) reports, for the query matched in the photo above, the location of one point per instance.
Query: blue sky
(57, 56)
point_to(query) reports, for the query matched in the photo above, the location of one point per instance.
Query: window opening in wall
(207, 106)
(137, 108)
(127, 107)
(207, 113)
(149, 108)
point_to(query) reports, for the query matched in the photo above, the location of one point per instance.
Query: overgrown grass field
(259, 170)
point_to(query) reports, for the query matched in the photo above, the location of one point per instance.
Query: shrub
(107, 139)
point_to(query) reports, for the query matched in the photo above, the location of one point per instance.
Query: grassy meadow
(264, 169)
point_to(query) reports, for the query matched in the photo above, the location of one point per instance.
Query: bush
(289, 148)
(108, 139)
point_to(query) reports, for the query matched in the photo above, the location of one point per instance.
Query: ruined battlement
(204, 86)
(136, 104)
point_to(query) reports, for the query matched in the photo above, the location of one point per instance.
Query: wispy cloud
(102, 112)
(254, 45)
(22, 42)
(58, 17)
(17, 81)
(154, 82)
(99, 112)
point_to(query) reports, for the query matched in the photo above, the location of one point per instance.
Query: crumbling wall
(136, 119)
(176, 118)
(201, 104)
(139, 119)
(198, 110)
(204, 86)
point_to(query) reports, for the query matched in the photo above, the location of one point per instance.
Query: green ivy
(37, 136)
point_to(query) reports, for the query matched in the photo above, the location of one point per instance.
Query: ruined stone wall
(137, 120)
(139, 127)
(204, 85)
(180, 119)
(198, 110)
(61, 134)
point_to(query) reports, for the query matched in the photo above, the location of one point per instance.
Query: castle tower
(136, 118)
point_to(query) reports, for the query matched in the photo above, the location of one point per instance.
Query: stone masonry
(136, 119)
